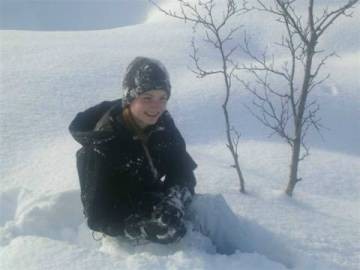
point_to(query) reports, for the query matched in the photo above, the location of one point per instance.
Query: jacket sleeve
(181, 166)
(84, 123)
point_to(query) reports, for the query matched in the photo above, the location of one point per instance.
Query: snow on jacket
(116, 173)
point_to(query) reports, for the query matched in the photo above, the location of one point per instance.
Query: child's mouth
(152, 115)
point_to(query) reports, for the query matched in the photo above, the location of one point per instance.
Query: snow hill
(49, 76)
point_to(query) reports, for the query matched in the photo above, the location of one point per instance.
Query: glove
(171, 209)
(133, 227)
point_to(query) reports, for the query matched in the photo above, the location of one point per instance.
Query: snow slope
(48, 76)
(76, 15)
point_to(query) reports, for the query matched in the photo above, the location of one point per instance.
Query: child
(136, 176)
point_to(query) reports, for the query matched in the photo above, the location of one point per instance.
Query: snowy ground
(48, 76)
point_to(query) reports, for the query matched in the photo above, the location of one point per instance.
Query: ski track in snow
(51, 75)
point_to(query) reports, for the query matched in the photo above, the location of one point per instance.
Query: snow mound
(56, 216)
(44, 253)
(80, 15)
(50, 223)
(53, 225)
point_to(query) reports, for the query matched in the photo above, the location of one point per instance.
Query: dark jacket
(114, 171)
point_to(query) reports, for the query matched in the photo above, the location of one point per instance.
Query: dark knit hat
(144, 74)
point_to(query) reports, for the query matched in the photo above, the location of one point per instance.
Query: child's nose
(157, 103)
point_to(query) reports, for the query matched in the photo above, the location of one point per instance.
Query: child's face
(148, 107)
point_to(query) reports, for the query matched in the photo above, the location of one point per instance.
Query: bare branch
(200, 72)
(319, 82)
(228, 37)
(304, 155)
(262, 62)
(322, 63)
(232, 50)
(328, 18)
(186, 11)
(268, 116)
(236, 137)
(293, 20)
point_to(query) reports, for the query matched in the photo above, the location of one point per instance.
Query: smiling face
(148, 107)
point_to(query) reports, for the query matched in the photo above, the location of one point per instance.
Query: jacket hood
(83, 127)
(103, 122)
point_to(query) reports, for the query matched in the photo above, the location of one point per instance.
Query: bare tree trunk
(233, 150)
(299, 124)
(231, 144)
(293, 179)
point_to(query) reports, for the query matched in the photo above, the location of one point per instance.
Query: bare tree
(218, 35)
(290, 113)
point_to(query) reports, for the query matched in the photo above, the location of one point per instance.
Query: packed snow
(49, 76)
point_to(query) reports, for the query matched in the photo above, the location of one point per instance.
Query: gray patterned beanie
(144, 74)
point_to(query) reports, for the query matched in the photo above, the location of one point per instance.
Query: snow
(49, 76)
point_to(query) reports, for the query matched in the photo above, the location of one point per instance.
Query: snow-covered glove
(180, 193)
(138, 228)
(132, 227)
(172, 207)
